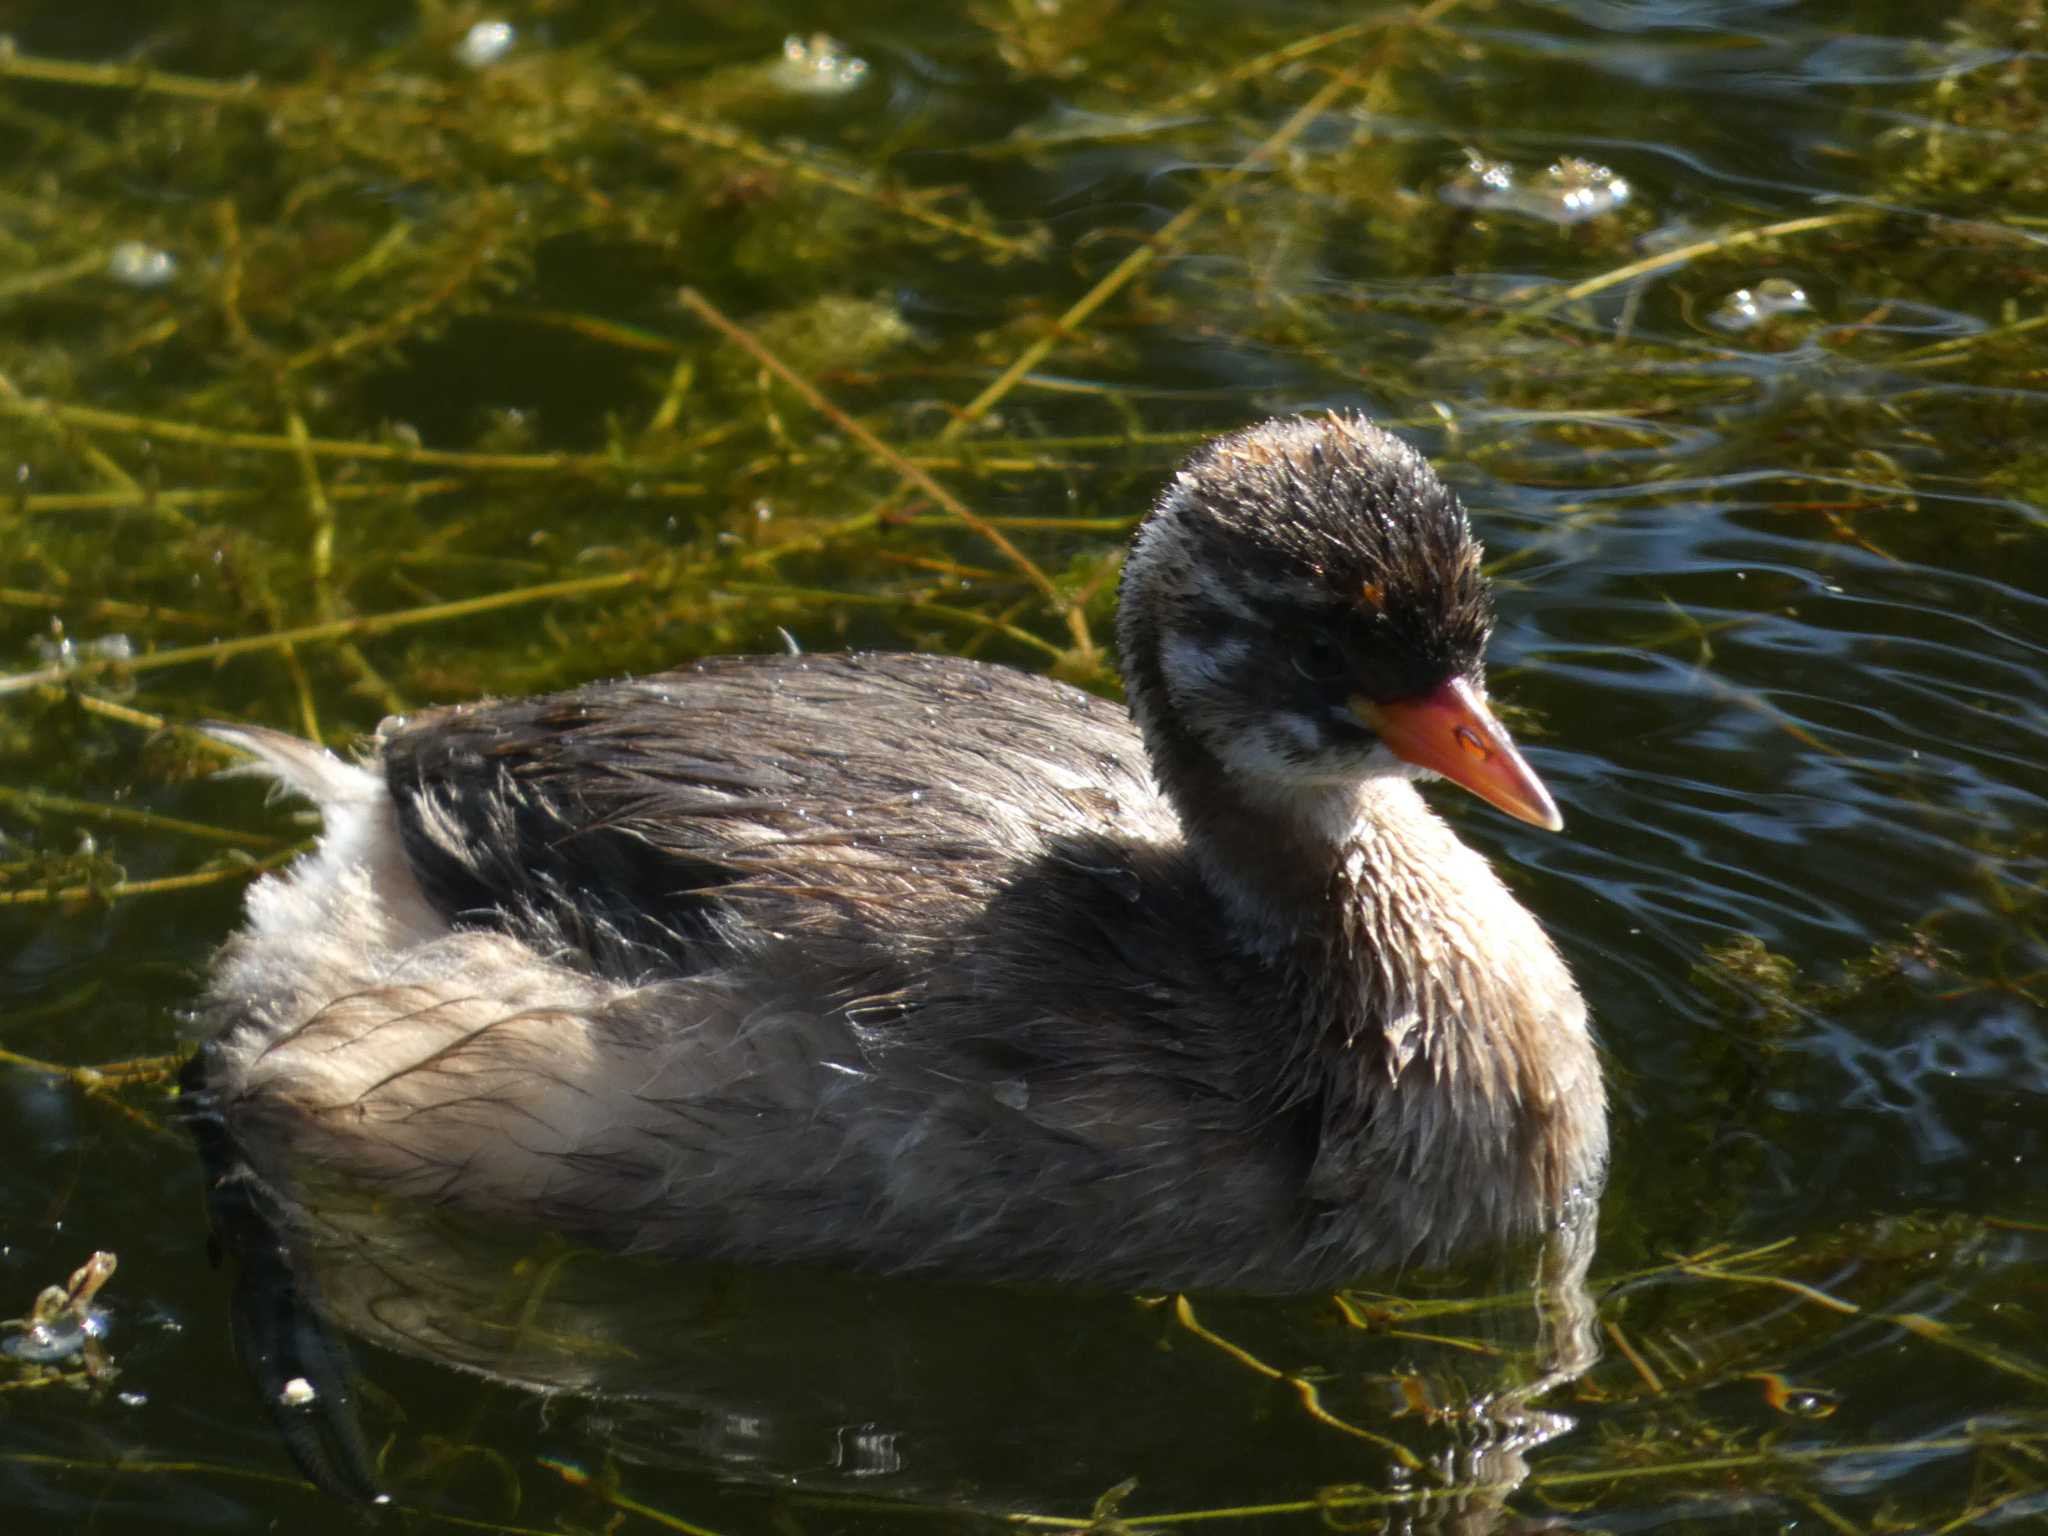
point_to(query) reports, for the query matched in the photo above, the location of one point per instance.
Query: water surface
(345, 367)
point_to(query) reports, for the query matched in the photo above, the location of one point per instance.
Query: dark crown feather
(1343, 507)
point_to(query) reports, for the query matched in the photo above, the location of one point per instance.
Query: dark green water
(381, 334)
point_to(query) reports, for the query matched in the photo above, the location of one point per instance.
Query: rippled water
(1772, 625)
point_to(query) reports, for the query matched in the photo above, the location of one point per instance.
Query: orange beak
(1452, 732)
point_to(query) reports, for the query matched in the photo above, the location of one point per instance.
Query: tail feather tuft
(298, 766)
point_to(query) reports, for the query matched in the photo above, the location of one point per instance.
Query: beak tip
(1538, 810)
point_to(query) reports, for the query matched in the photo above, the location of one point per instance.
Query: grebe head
(1304, 614)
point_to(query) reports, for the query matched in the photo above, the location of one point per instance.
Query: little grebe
(920, 964)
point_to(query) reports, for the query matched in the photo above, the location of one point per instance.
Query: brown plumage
(920, 964)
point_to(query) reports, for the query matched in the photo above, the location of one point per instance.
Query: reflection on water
(386, 337)
(823, 1384)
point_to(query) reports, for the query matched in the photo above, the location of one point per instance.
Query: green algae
(337, 379)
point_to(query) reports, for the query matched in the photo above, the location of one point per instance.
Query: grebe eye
(1316, 657)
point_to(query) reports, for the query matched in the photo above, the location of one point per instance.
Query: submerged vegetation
(355, 359)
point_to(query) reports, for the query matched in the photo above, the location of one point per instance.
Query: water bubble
(486, 43)
(39, 1344)
(1482, 181)
(818, 66)
(138, 264)
(1584, 190)
(59, 649)
(1747, 308)
(1568, 191)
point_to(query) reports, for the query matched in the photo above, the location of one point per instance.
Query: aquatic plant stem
(716, 136)
(43, 279)
(358, 627)
(1686, 254)
(326, 600)
(712, 316)
(1303, 1388)
(576, 1477)
(37, 801)
(139, 78)
(587, 464)
(1170, 233)
(14, 402)
(121, 890)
